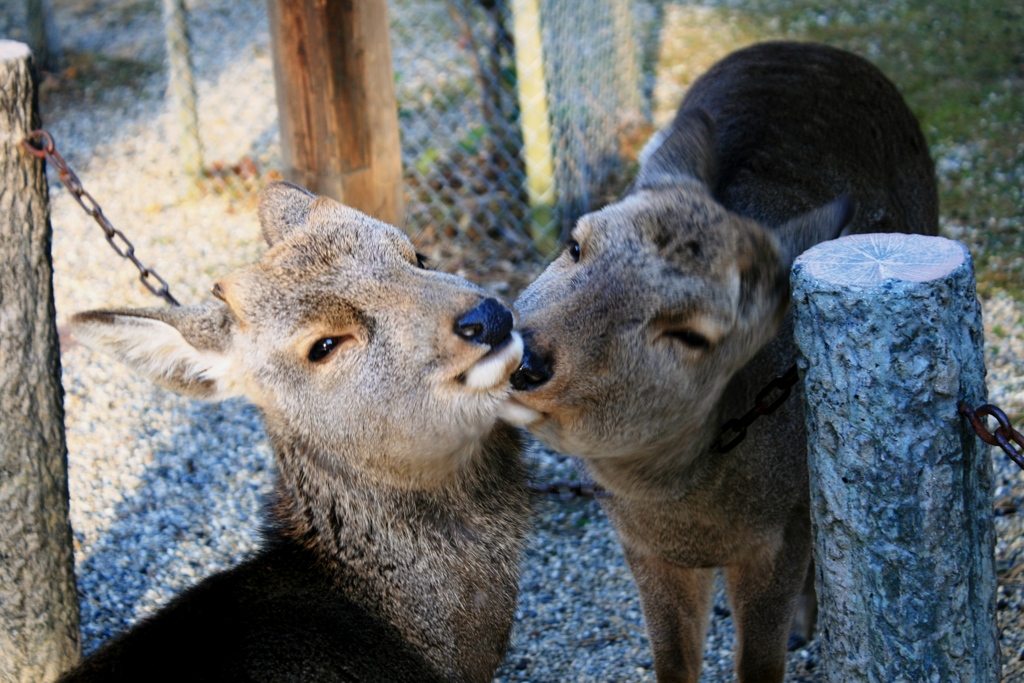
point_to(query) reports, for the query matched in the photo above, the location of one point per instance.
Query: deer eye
(572, 247)
(324, 347)
(689, 338)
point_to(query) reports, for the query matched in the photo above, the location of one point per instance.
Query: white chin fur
(515, 413)
(494, 369)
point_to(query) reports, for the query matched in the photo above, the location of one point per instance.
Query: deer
(667, 314)
(391, 543)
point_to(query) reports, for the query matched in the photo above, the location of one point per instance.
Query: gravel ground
(165, 490)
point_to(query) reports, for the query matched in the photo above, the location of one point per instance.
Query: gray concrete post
(890, 336)
(38, 604)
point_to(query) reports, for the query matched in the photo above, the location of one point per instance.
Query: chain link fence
(465, 135)
(460, 97)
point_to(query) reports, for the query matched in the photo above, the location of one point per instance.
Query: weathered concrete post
(890, 336)
(38, 604)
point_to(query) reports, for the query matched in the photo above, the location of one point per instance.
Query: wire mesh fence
(594, 90)
(461, 110)
(465, 134)
(461, 143)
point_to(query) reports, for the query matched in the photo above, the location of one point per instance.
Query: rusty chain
(118, 242)
(778, 390)
(1005, 436)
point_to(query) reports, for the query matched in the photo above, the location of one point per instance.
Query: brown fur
(392, 543)
(674, 318)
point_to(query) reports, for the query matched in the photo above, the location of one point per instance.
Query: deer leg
(676, 603)
(806, 613)
(764, 591)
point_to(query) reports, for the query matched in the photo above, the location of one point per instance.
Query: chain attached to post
(118, 242)
(1002, 436)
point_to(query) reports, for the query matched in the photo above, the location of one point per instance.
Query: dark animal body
(297, 613)
(667, 314)
(392, 541)
(799, 124)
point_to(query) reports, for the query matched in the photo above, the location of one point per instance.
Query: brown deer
(392, 542)
(667, 314)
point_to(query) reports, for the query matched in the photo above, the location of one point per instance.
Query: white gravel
(165, 490)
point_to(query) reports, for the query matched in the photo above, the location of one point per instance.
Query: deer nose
(489, 323)
(535, 368)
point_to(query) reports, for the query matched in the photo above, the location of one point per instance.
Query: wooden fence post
(890, 336)
(336, 102)
(38, 605)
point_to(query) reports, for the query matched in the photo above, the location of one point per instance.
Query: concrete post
(38, 604)
(890, 336)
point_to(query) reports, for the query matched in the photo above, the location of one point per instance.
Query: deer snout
(535, 368)
(489, 323)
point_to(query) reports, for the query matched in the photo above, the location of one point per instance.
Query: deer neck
(439, 562)
(662, 471)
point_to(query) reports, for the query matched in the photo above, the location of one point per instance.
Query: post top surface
(12, 49)
(870, 260)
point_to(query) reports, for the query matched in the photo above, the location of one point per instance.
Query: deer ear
(684, 150)
(283, 207)
(819, 225)
(768, 254)
(186, 350)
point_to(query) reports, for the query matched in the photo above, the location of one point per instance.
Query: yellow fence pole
(536, 124)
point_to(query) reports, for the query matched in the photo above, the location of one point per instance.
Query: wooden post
(890, 336)
(336, 102)
(38, 604)
(536, 125)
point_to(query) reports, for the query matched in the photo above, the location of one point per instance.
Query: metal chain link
(566, 490)
(1002, 436)
(766, 403)
(118, 242)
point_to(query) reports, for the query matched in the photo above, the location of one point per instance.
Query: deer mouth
(495, 367)
(519, 414)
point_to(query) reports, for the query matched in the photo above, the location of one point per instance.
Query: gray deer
(392, 542)
(667, 314)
